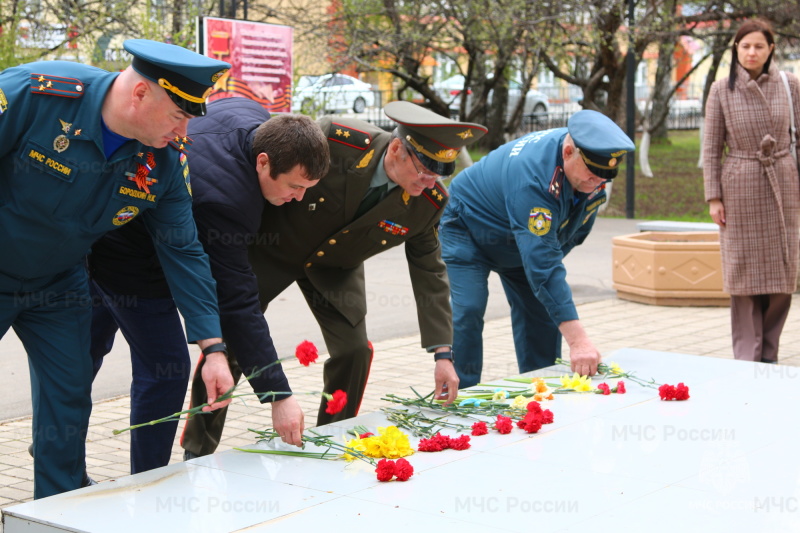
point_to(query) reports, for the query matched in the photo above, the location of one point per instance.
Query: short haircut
(291, 140)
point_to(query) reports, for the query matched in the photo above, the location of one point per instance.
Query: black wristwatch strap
(444, 355)
(218, 347)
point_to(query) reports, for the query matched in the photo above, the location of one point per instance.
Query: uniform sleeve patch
(56, 85)
(539, 221)
(349, 136)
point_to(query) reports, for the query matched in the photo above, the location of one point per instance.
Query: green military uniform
(323, 244)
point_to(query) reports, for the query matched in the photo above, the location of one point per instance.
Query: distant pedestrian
(753, 193)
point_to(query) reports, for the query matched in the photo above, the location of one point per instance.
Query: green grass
(676, 190)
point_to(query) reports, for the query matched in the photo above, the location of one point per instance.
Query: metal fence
(676, 120)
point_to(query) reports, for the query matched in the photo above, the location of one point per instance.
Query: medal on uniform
(406, 197)
(60, 143)
(142, 178)
(65, 126)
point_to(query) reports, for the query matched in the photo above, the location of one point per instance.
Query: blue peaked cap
(601, 142)
(185, 75)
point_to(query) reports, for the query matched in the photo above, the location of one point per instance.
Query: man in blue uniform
(241, 161)
(82, 152)
(518, 212)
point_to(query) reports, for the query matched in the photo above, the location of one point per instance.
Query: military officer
(518, 212)
(83, 152)
(383, 190)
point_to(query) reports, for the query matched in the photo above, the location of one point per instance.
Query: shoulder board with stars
(181, 144)
(556, 182)
(436, 195)
(349, 136)
(56, 85)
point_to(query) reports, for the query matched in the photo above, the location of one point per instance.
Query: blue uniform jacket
(228, 204)
(59, 193)
(521, 210)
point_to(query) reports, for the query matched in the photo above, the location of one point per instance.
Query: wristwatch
(218, 347)
(438, 356)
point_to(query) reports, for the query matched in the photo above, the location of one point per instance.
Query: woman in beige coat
(753, 191)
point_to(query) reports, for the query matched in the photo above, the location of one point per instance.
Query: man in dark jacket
(238, 158)
(383, 190)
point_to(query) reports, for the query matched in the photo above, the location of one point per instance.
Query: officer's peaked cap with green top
(435, 140)
(601, 143)
(185, 75)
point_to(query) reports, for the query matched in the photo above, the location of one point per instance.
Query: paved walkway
(400, 363)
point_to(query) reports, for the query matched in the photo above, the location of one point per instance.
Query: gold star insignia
(338, 132)
(346, 134)
(41, 87)
(140, 154)
(49, 84)
(466, 134)
(78, 132)
(437, 195)
(185, 139)
(181, 147)
(41, 79)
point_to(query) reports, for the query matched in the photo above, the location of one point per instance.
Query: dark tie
(371, 199)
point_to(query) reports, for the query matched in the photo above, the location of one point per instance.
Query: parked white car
(536, 102)
(331, 93)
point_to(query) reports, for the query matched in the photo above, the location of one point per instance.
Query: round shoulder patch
(125, 215)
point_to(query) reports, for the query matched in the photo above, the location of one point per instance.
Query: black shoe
(30, 449)
(87, 481)
(188, 456)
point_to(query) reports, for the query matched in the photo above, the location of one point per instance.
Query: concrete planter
(669, 268)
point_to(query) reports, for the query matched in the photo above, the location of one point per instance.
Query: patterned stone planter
(669, 268)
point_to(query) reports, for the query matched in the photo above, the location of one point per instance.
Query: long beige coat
(757, 181)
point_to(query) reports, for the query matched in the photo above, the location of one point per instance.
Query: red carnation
(666, 392)
(436, 443)
(386, 470)
(306, 353)
(460, 443)
(479, 428)
(604, 388)
(534, 407)
(681, 392)
(337, 402)
(532, 423)
(403, 470)
(620, 388)
(503, 425)
(365, 435)
(547, 416)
